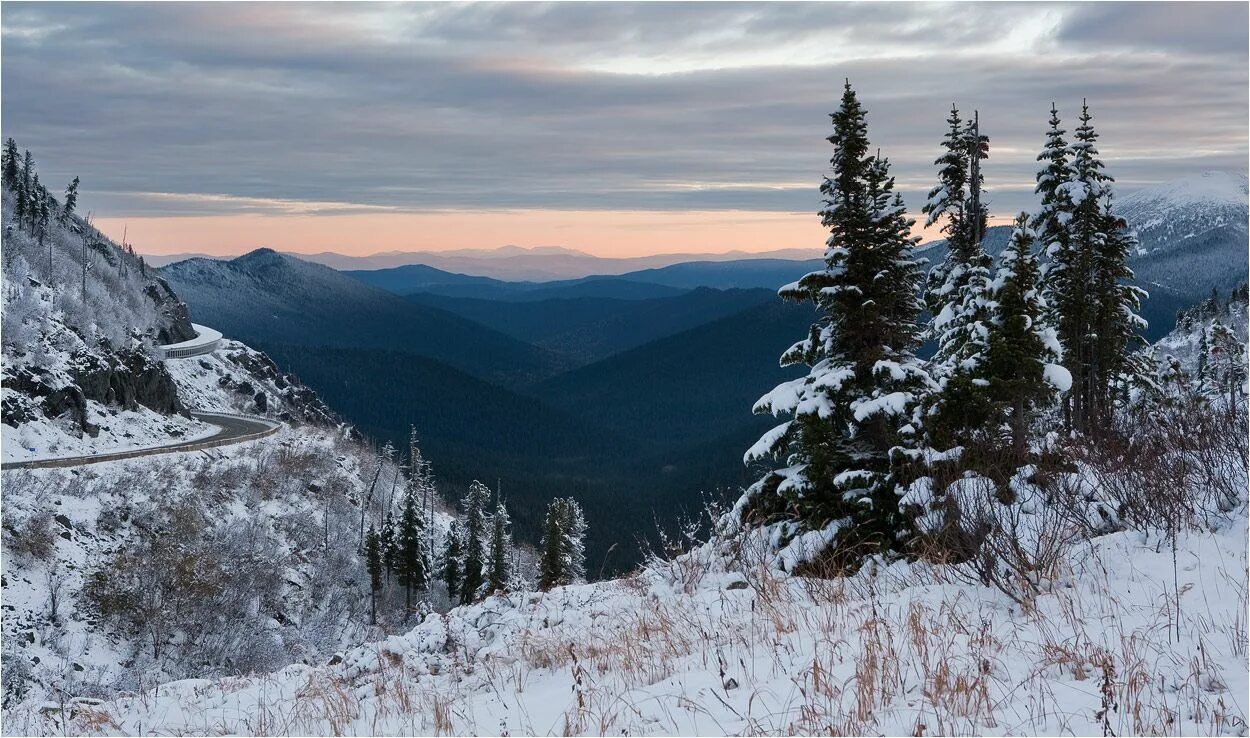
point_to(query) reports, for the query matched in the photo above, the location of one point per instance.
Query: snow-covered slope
(122, 574)
(1133, 639)
(1192, 232)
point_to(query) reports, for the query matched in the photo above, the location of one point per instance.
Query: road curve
(234, 429)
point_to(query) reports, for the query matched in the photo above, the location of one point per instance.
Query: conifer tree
(71, 201)
(575, 541)
(373, 562)
(1092, 309)
(25, 191)
(563, 559)
(9, 163)
(1225, 364)
(957, 292)
(1050, 222)
(451, 562)
(551, 565)
(475, 540)
(855, 404)
(44, 215)
(390, 558)
(500, 571)
(1023, 351)
(413, 567)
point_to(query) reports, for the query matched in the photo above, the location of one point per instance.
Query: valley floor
(1133, 638)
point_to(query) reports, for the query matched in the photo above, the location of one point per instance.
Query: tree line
(476, 557)
(1045, 337)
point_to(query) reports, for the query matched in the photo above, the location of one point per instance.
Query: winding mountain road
(234, 429)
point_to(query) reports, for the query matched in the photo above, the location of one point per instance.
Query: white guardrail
(206, 341)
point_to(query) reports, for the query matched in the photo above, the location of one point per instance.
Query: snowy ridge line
(235, 429)
(206, 341)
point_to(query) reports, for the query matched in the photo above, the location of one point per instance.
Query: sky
(620, 129)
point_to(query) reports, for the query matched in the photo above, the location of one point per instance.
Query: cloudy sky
(619, 129)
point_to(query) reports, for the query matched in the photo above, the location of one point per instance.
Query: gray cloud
(588, 105)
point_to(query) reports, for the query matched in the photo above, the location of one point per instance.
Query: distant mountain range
(515, 263)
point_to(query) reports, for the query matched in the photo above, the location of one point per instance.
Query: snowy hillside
(1186, 341)
(118, 575)
(1133, 638)
(1192, 232)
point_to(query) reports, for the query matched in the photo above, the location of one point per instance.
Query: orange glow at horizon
(602, 233)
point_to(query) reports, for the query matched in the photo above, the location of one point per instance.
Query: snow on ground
(120, 430)
(1132, 638)
(289, 496)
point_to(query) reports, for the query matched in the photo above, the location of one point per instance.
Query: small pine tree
(390, 557)
(451, 562)
(9, 162)
(71, 201)
(499, 574)
(475, 535)
(551, 566)
(44, 215)
(575, 541)
(373, 562)
(1226, 362)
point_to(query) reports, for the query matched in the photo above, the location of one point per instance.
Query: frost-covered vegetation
(238, 559)
(81, 314)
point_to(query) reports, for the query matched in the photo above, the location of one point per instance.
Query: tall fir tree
(71, 202)
(451, 562)
(563, 558)
(386, 536)
(1023, 351)
(373, 563)
(413, 568)
(475, 540)
(552, 569)
(1050, 222)
(500, 572)
(26, 190)
(1091, 307)
(856, 403)
(957, 290)
(9, 163)
(574, 541)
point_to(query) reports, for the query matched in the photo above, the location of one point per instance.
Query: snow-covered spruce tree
(475, 540)
(499, 574)
(8, 162)
(386, 536)
(563, 559)
(1023, 351)
(373, 563)
(1051, 221)
(957, 291)
(551, 564)
(574, 541)
(1224, 374)
(413, 567)
(836, 499)
(1094, 312)
(451, 562)
(71, 202)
